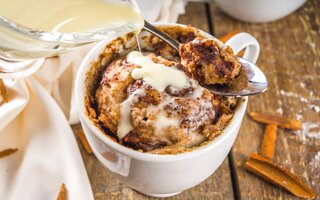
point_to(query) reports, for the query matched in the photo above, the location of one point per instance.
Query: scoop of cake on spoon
(236, 77)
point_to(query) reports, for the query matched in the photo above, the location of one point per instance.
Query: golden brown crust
(116, 85)
(112, 91)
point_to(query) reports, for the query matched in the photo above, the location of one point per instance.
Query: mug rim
(80, 94)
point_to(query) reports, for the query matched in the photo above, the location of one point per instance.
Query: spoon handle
(150, 28)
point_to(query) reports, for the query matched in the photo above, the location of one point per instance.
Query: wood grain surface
(290, 50)
(290, 57)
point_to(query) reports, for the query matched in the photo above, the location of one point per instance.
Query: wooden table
(290, 57)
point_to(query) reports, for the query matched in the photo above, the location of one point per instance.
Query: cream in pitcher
(78, 21)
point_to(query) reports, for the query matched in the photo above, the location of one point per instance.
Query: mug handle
(245, 41)
(112, 160)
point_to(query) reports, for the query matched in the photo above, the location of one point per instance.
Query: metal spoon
(257, 82)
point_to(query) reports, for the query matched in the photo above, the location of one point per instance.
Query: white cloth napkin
(161, 10)
(47, 154)
(36, 121)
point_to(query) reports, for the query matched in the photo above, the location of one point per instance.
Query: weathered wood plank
(106, 186)
(290, 57)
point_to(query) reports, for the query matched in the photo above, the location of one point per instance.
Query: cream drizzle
(159, 76)
(124, 125)
(162, 121)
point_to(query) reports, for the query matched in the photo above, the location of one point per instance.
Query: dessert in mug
(153, 101)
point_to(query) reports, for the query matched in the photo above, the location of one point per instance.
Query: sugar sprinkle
(315, 162)
(279, 111)
(302, 99)
(309, 130)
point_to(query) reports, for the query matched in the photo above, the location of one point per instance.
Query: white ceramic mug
(259, 11)
(163, 175)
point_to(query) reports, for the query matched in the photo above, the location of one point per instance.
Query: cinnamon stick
(268, 143)
(84, 141)
(7, 152)
(279, 176)
(277, 120)
(227, 36)
(3, 92)
(62, 193)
